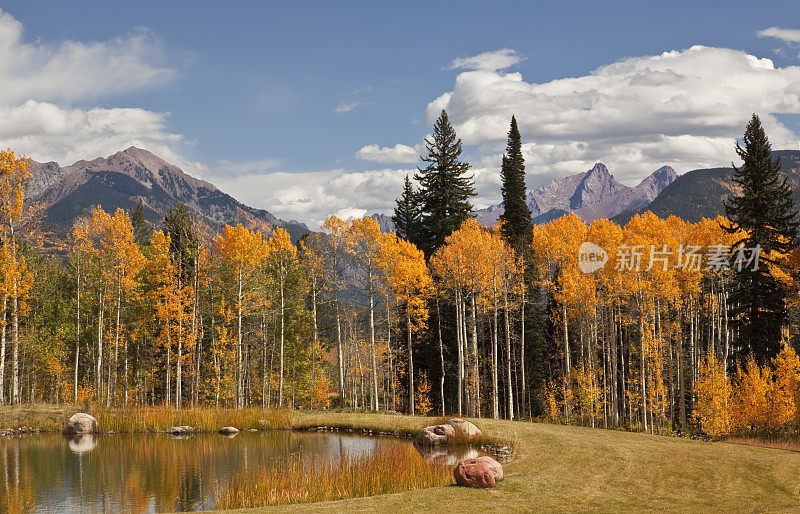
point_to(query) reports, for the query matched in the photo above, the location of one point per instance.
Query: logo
(591, 257)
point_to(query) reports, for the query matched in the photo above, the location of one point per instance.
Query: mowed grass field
(559, 468)
(568, 468)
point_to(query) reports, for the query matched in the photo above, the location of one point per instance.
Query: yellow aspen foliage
(712, 409)
(751, 411)
(552, 406)
(786, 387)
(422, 396)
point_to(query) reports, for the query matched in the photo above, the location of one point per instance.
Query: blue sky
(272, 101)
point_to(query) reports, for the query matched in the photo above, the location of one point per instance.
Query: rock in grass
(464, 429)
(436, 435)
(81, 423)
(478, 473)
(183, 429)
(228, 430)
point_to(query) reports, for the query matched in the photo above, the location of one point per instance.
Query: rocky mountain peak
(596, 186)
(657, 181)
(591, 195)
(126, 177)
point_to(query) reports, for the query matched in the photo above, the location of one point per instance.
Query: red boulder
(479, 473)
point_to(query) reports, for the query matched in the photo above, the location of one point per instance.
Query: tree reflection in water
(149, 472)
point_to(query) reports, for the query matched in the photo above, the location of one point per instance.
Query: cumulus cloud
(387, 154)
(312, 196)
(682, 108)
(787, 35)
(75, 70)
(41, 82)
(489, 61)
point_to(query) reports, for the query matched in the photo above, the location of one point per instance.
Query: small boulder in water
(478, 473)
(228, 430)
(436, 435)
(81, 423)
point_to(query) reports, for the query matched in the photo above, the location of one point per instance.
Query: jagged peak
(664, 175)
(598, 169)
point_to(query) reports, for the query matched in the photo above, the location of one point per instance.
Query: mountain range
(124, 179)
(591, 195)
(127, 177)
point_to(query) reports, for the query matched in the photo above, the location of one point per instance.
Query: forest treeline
(443, 316)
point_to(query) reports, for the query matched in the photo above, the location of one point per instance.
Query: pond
(158, 472)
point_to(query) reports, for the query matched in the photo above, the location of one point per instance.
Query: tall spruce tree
(407, 214)
(141, 229)
(516, 225)
(178, 223)
(764, 210)
(445, 188)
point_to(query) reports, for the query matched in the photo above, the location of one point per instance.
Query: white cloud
(246, 167)
(45, 131)
(75, 70)
(312, 196)
(386, 154)
(350, 105)
(488, 61)
(41, 81)
(682, 108)
(787, 35)
(346, 106)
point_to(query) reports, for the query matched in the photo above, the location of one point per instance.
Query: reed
(157, 419)
(303, 480)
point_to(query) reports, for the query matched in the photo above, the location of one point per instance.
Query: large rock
(81, 423)
(478, 473)
(228, 430)
(464, 429)
(436, 435)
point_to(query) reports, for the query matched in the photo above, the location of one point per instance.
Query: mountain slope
(700, 193)
(126, 177)
(591, 195)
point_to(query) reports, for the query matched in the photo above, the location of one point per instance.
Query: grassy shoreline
(560, 468)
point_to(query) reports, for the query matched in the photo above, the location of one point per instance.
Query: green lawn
(566, 468)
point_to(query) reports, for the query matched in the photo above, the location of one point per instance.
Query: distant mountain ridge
(700, 193)
(591, 195)
(122, 179)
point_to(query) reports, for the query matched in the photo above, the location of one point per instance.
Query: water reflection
(149, 472)
(447, 456)
(81, 443)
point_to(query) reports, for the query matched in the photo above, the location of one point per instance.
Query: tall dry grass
(157, 419)
(299, 480)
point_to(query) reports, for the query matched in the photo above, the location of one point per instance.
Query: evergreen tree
(141, 229)
(516, 225)
(764, 210)
(407, 215)
(178, 223)
(445, 188)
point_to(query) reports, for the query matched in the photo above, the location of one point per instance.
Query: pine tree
(141, 229)
(407, 214)
(445, 188)
(178, 223)
(764, 210)
(516, 226)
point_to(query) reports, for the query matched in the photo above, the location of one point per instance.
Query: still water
(152, 472)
